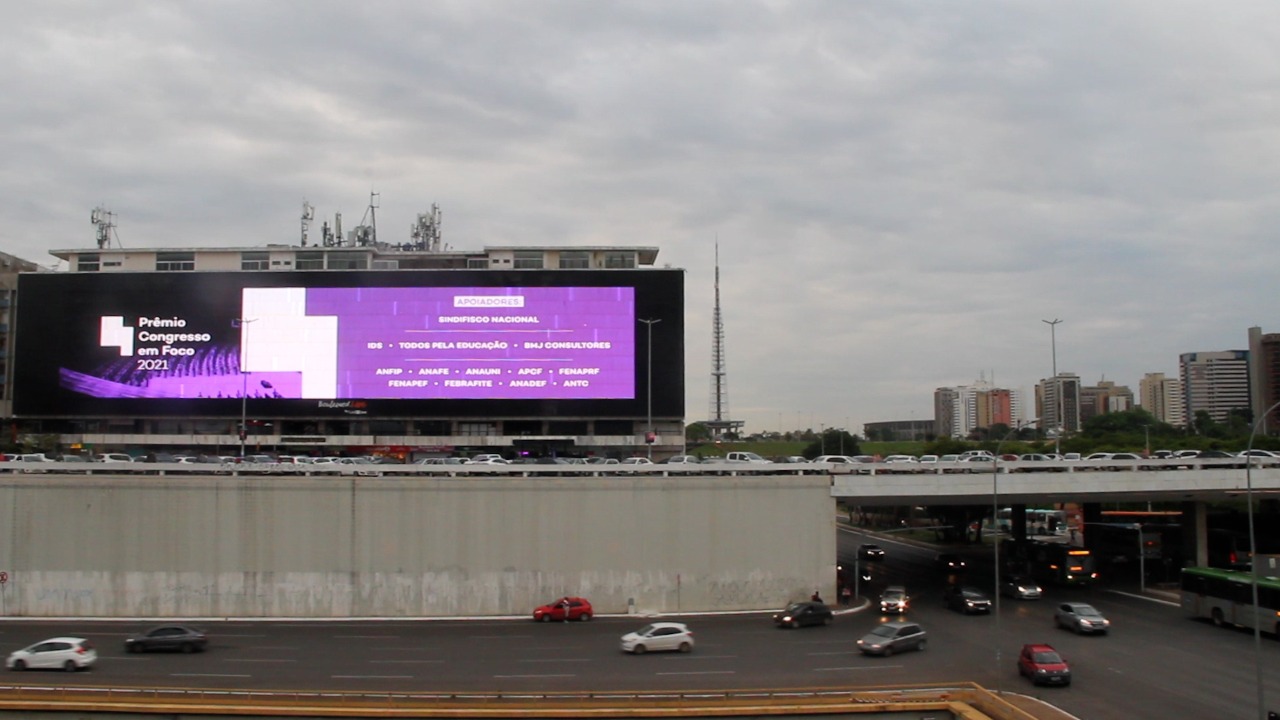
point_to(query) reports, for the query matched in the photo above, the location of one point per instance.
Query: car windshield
(884, 631)
(1048, 657)
(645, 630)
(794, 608)
(1087, 610)
(892, 594)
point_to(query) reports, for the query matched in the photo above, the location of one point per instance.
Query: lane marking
(566, 675)
(406, 662)
(862, 667)
(703, 672)
(208, 675)
(371, 677)
(260, 660)
(555, 660)
(271, 647)
(366, 637)
(846, 652)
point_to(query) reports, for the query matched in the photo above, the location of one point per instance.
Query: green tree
(697, 432)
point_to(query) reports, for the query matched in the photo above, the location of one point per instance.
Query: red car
(566, 608)
(1043, 665)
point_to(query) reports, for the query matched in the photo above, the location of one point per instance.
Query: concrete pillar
(1195, 533)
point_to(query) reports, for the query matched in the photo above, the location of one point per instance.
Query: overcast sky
(901, 191)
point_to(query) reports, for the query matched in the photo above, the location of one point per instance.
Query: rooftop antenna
(426, 231)
(105, 221)
(367, 235)
(308, 214)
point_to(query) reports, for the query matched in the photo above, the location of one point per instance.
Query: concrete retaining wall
(130, 546)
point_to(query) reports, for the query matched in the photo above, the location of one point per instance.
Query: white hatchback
(63, 653)
(658, 637)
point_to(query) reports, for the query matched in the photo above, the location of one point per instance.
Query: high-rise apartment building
(1264, 377)
(1162, 397)
(1105, 397)
(1215, 382)
(1058, 403)
(960, 410)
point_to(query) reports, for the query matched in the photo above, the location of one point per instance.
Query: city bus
(1052, 563)
(1226, 597)
(1040, 521)
(1122, 542)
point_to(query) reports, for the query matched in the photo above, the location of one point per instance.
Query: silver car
(1022, 588)
(1080, 618)
(891, 637)
(658, 637)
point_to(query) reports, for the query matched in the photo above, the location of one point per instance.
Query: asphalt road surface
(1155, 663)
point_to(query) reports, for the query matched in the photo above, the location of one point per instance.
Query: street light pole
(995, 527)
(1253, 563)
(649, 434)
(1057, 415)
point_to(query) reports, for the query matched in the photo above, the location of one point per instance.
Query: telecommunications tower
(719, 423)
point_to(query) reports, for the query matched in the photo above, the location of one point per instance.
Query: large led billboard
(386, 343)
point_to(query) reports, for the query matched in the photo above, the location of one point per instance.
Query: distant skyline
(902, 192)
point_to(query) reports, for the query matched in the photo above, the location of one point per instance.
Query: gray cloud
(901, 191)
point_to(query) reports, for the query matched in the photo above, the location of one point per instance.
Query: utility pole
(1057, 414)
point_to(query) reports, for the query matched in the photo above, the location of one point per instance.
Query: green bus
(1226, 597)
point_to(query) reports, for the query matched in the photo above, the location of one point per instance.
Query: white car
(113, 458)
(636, 461)
(63, 653)
(683, 460)
(657, 637)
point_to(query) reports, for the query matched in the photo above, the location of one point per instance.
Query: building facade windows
(575, 260)
(175, 261)
(528, 260)
(255, 261)
(88, 263)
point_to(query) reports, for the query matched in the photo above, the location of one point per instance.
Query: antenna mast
(426, 231)
(719, 424)
(308, 214)
(105, 222)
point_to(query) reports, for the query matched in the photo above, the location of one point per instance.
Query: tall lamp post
(1253, 563)
(242, 324)
(995, 526)
(649, 436)
(1057, 414)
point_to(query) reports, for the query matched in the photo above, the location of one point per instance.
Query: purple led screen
(516, 343)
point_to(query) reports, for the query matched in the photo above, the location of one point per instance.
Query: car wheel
(19, 665)
(187, 648)
(922, 644)
(685, 647)
(584, 617)
(135, 647)
(1217, 617)
(545, 618)
(795, 624)
(70, 666)
(888, 650)
(826, 620)
(638, 650)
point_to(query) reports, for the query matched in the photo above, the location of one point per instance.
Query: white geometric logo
(115, 333)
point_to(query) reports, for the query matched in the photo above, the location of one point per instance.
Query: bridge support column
(1018, 522)
(1195, 533)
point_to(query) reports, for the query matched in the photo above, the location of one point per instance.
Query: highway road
(1155, 664)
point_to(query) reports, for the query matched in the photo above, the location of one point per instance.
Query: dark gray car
(891, 637)
(168, 637)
